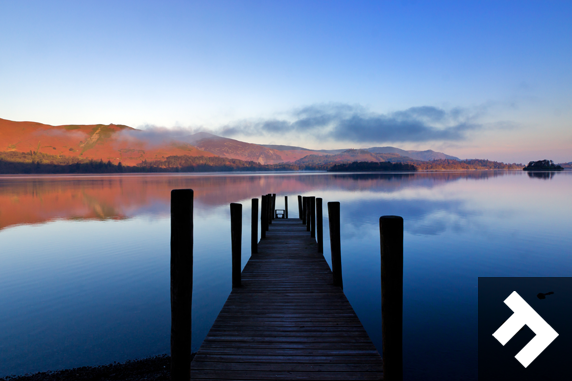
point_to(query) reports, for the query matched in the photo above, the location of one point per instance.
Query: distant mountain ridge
(118, 143)
(426, 155)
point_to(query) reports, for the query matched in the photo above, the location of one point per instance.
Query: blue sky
(486, 79)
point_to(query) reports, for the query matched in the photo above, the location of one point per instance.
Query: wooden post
(181, 282)
(285, 206)
(307, 209)
(300, 207)
(391, 242)
(269, 208)
(304, 210)
(263, 216)
(313, 216)
(236, 239)
(273, 205)
(254, 227)
(335, 242)
(319, 225)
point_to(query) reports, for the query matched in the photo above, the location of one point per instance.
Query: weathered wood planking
(287, 321)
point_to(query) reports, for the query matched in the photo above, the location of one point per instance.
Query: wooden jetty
(287, 317)
(287, 320)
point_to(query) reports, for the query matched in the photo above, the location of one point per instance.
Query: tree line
(37, 162)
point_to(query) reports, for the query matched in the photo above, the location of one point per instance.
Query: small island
(542, 165)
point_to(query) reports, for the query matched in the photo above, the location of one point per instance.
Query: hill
(416, 155)
(41, 148)
(114, 143)
(351, 155)
(235, 149)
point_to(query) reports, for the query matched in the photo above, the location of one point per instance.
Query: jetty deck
(287, 321)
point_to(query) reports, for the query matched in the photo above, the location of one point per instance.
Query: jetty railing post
(267, 212)
(304, 210)
(307, 209)
(273, 205)
(335, 242)
(254, 227)
(236, 239)
(313, 217)
(181, 282)
(299, 207)
(269, 208)
(285, 206)
(319, 225)
(263, 217)
(391, 242)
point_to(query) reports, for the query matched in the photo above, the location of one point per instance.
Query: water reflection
(36, 200)
(84, 260)
(547, 175)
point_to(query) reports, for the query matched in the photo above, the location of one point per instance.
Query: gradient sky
(486, 79)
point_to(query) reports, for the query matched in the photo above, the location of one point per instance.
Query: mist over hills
(118, 143)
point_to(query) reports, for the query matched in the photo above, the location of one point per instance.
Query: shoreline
(156, 368)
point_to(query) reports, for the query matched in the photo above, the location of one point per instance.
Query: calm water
(84, 260)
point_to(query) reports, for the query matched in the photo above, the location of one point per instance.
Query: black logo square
(543, 305)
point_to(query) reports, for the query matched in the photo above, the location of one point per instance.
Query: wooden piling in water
(285, 206)
(319, 225)
(269, 208)
(299, 207)
(273, 205)
(391, 243)
(263, 217)
(181, 282)
(236, 242)
(308, 217)
(254, 227)
(335, 242)
(313, 216)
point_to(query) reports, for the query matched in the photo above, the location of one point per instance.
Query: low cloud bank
(342, 122)
(155, 135)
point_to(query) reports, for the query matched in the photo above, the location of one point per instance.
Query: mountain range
(119, 143)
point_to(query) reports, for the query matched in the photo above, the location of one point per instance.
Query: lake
(84, 260)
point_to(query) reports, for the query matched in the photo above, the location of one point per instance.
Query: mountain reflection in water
(25, 200)
(84, 260)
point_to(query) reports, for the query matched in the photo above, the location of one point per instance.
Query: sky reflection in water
(84, 260)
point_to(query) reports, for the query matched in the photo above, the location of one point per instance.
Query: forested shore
(41, 163)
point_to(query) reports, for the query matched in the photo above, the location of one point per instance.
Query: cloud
(156, 135)
(351, 123)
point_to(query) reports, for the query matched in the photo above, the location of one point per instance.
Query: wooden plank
(287, 320)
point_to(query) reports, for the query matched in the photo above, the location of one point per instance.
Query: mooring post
(300, 207)
(335, 242)
(263, 217)
(391, 242)
(313, 217)
(319, 225)
(268, 221)
(269, 209)
(273, 205)
(285, 206)
(181, 282)
(304, 210)
(308, 217)
(254, 227)
(236, 241)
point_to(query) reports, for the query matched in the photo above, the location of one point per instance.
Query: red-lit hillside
(235, 149)
(115, 143)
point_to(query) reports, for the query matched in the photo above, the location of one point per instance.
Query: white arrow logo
(523, 315)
